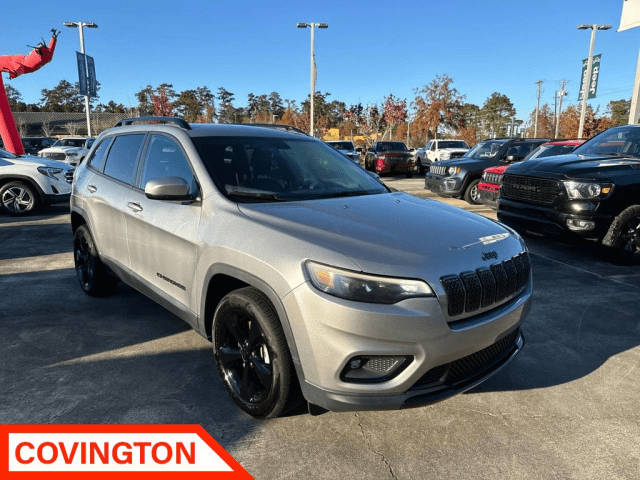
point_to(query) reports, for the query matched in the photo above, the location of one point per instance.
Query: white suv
(27, 182)
(70, 150)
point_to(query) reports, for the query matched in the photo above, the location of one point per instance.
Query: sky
(371, 48)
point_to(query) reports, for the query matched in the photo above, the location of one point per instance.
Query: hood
(389, 234)
(453, 150)
(470, 162)
(39, 162)
(58, 149)
(577, 166)
(499, 169)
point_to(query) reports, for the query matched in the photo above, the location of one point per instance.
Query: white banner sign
(630, 15)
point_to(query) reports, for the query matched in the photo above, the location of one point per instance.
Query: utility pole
(586, 81)
(560, 94)
(408, 127)
(312, 61)
(80, 26)
(535, 127)
(634, 111)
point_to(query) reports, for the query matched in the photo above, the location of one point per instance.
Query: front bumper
(329, 332)
(445, 186)
(488, 197)
(552, 221)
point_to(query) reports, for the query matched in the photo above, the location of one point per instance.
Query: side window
(121, 162)
(100, 155)
(165, 158)
(434, 145)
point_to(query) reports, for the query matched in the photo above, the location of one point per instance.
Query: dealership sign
(146, 451)
(593, 81)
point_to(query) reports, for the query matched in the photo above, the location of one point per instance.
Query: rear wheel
(92, 274)
(18, 198)
(251, 354)
(623, 237)
(472, 194)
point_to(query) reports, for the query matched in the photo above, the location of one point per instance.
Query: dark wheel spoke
(263, 372)
(229, 355)
(255, 335)
(244, 383)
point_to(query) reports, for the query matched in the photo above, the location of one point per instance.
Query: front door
(162, 233)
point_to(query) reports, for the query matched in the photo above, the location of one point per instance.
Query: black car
(32, 145)
(460, 177)
(593, 192)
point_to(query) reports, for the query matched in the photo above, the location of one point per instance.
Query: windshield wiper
(252, 194)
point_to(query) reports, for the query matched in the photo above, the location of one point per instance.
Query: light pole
(312, 62)
(80, 26)
(587, 78)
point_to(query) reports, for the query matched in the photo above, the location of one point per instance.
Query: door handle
(92, 188)
(136, 207)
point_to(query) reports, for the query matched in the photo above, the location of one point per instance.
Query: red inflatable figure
(16, 65)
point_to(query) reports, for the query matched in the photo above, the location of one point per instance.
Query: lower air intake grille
(470, 367)
(471, 291)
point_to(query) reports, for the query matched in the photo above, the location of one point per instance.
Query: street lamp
(587, 79)
(312, 82)
(80, 26)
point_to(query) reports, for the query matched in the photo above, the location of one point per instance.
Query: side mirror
(168, 188)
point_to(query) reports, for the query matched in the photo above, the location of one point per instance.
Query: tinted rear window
(121, 162)
(391, 147)
(342, 145)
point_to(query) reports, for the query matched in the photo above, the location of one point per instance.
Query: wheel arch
(215, 289)
(4, 179)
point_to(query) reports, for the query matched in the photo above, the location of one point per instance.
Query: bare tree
(71, 128)
(47, 128)
(22, 126)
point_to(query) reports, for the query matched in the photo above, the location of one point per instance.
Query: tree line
(437, 109)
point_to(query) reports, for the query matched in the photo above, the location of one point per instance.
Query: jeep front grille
(438, 169)
(55, 155)
(68, 175)
(470, 291)
(493, 178)
(542, 191)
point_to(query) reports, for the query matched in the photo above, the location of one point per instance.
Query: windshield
(342, 145)
(69, 142)
(615, 141)
(276, 169)
(487, 149)
(550, 151)
(391, 147)
(5, 154)
(452, 144)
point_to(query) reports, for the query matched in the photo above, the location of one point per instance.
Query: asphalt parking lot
(567, 407)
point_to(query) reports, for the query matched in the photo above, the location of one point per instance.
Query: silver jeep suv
(310, 277)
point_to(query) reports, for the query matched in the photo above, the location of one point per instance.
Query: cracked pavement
(567, 407)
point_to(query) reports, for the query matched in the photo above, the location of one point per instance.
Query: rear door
(161, 233)
(113, 168)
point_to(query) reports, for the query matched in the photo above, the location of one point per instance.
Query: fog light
(450, 184)
(580, 225)
(374, 369)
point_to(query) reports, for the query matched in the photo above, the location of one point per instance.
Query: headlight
(586, 190)
(72, 154)
(50, 171)
(364, 288)
(445, 156)
(453, 170)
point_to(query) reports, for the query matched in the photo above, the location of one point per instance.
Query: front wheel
(251, 354)
(18, 198)
(472, 194)
(623, 237)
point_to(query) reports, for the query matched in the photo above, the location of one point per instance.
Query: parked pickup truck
(593, 193)
(489, 186)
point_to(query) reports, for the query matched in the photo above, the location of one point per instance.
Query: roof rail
(275, 126)
(151, 119)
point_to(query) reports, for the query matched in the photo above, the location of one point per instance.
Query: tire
(18, 198)
(251, 354)
(623, 237)
(93, 276)
(471, 194)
